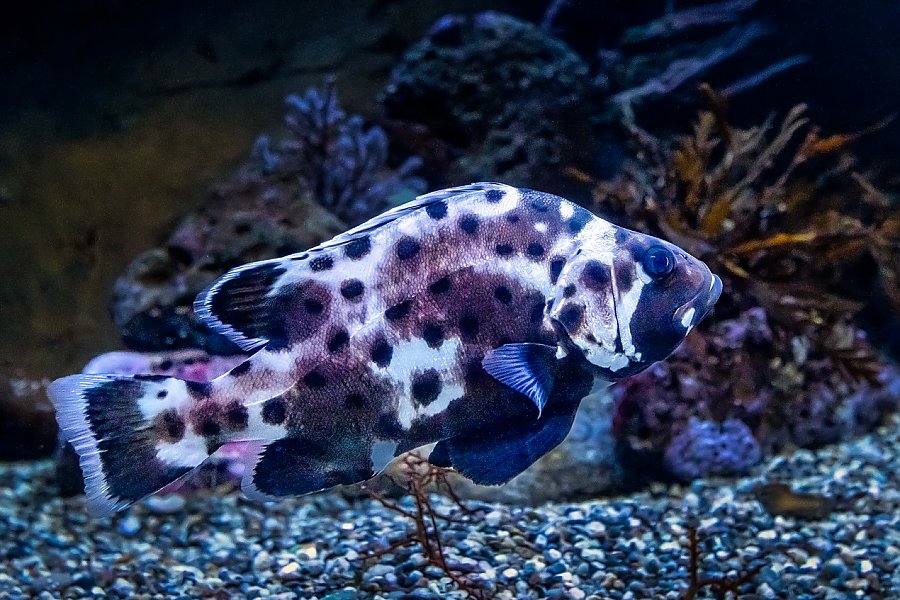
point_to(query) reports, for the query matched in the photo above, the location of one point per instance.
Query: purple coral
(705, 448)
(343, 161)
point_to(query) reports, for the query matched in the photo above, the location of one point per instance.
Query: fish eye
(658, 262)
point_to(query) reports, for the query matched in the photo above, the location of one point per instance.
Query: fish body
(476, 318)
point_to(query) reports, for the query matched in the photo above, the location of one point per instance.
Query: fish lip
(701, 304)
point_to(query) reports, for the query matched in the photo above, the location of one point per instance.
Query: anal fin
(495, 457)
(294, 466)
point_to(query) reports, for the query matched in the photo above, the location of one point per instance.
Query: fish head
(626, 300)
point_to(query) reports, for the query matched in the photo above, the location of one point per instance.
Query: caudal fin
(129, 433)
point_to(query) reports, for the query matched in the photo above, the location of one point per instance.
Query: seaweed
(418, 478)
(783, 211)
(803, 236)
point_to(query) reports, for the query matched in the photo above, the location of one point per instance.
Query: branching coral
(343, 161)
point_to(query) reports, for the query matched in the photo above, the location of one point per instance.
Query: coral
(343, 161)
(250, 217)
(704, 448)
(496, 88)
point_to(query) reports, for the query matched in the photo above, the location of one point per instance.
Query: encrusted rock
(496, 87)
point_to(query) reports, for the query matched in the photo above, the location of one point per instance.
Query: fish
(474, 319)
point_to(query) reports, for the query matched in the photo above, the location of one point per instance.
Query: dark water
(117, 118)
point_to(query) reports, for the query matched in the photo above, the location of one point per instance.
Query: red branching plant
(720, 586)
(419, 477)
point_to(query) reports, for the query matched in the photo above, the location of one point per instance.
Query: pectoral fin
(526, 368)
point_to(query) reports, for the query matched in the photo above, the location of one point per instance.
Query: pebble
(129, 525)
(628, 547)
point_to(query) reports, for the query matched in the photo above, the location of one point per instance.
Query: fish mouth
(700, 306)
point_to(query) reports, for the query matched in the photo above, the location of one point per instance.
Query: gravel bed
(217, 544)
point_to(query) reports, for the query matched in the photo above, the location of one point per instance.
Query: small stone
(289, 569)
(165, 503)
(492, 519)
(263, 561)
(123, 587)
(130, 525)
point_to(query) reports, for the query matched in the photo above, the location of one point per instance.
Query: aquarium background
(146, 148)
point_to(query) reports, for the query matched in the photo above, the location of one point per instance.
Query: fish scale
(474, 318)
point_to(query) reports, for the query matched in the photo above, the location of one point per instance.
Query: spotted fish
(475, 318)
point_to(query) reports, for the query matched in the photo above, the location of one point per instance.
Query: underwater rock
(497, 88)
(252, 216)
(706, 449)
(27, 424)
(783, 392)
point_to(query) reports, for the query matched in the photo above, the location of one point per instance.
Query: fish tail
(131, 434)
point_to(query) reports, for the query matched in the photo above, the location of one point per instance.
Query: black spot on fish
(571, 316)
(237, 416)
(433, 335)
(352, 289)
(437, 211)
(274, 411)
(504, 249)
(468, 325)
(398, 311)
(625, 273)
(303, 256)
(596, 276)
(579, 220)
(355, 401)
(426, 386)
(493, 196)
(338, 341)
(512, 218)
(440, 286)
(162, 394)
(198, 389)
(208, 426)
(358, 247)
(540, 204)
(503, 294)
(535, 249)
(556, 267)
(165, 365)
(382, 352)
(169, 426)
(469, 224)
(321, 263)
(407, 248)
(313, 306)
(314, 380)
(241, 369)
(569, 290)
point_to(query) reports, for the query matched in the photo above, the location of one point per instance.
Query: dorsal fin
(239, 304)
(236, 304)
(455, 193)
